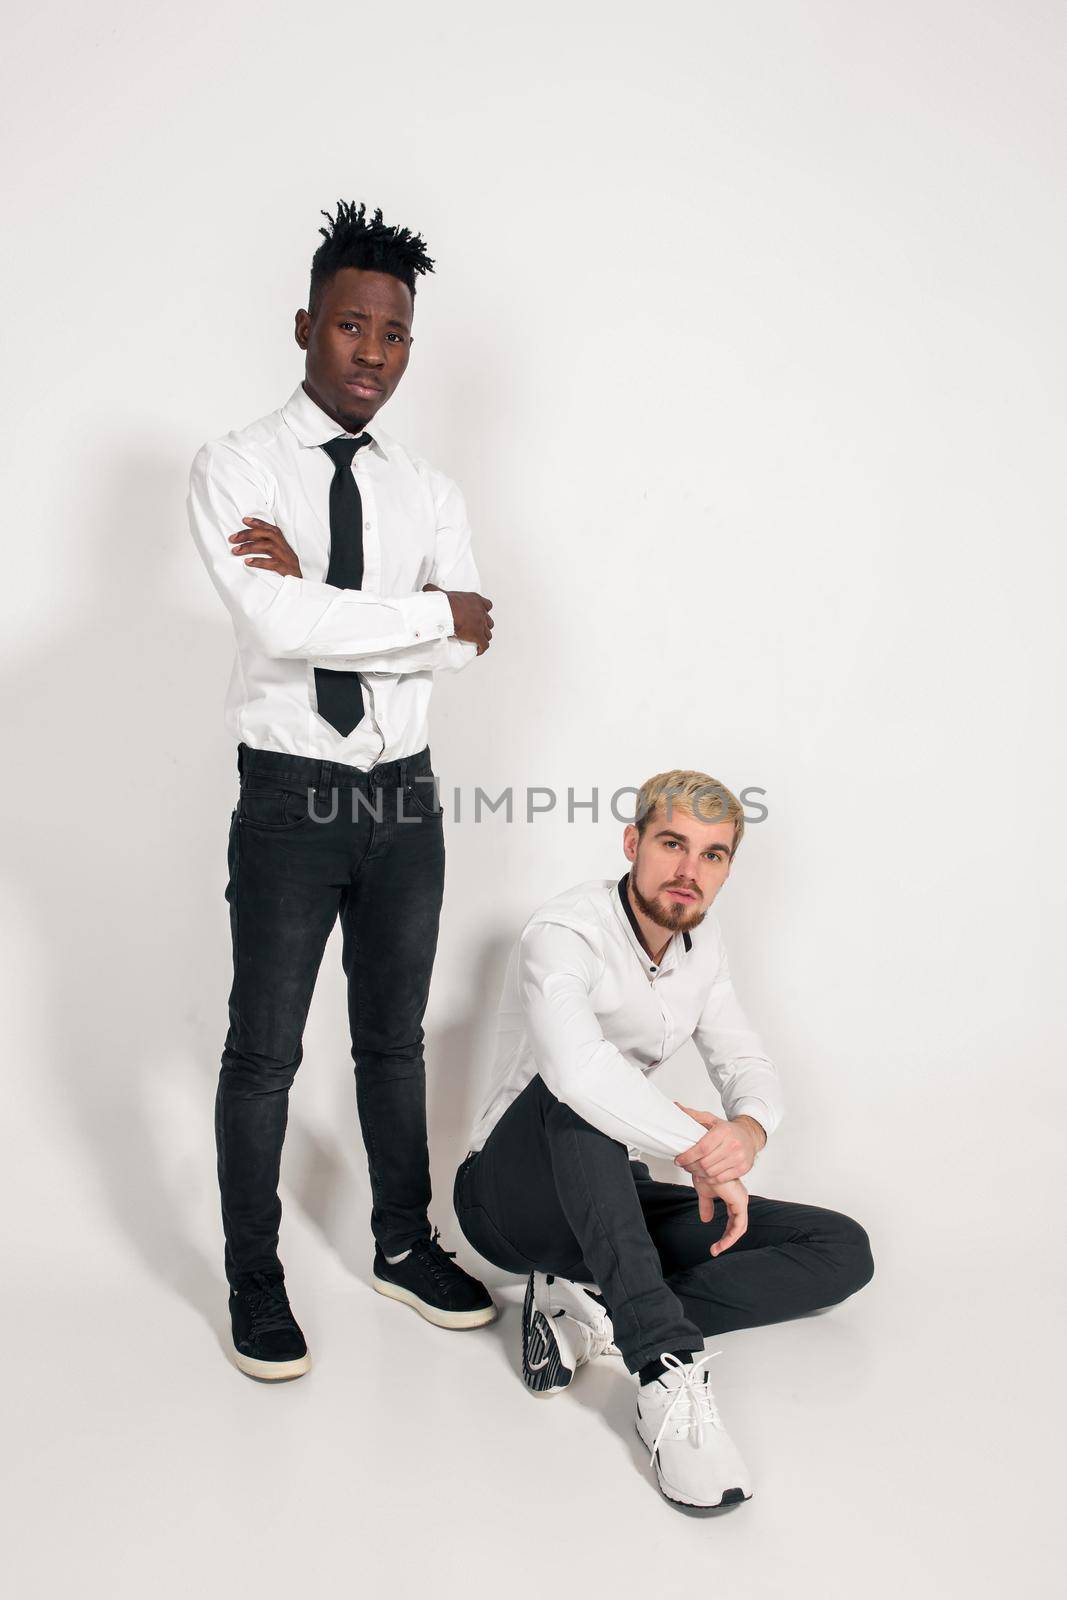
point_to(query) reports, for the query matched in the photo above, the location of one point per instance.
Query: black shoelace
(438, 1260)
(268, 1304)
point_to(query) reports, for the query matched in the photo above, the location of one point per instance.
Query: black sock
(656, 1369)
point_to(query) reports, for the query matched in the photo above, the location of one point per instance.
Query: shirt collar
(313, 427)
(632, 920)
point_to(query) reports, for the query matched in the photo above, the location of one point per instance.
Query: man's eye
(399, 337)
(347, 325)
(671, 844)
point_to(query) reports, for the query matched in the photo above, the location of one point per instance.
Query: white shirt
(586, 1007)
(415, 531)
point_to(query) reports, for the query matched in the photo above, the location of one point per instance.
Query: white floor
(896, 1445)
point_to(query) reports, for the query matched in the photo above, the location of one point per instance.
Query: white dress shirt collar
(312, 426)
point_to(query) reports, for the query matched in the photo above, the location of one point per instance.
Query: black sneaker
(267, 1342)
(429, 1281)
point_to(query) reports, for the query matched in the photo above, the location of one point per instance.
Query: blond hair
(702, 796)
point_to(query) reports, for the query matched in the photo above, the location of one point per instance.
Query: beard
(665, 914)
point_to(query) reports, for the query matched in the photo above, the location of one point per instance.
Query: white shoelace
(699, 1398)
(597, 1341)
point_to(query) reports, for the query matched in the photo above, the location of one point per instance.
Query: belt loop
(240, 760)
(322, 793)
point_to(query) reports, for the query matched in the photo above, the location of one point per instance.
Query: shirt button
(418, 635)
(367, 526)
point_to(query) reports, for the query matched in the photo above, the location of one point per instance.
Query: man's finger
(735, 1228)
(707, 1165)
(258, 522)
(728, 1173)
(720, 1162)
(689, 1158)
(705, 1145)
(706, 1202)
(706, 1118)
(261, 535)
(708, 1150)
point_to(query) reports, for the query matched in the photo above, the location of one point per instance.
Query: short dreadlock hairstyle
(351, 240)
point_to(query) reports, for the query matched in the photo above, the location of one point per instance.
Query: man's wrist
(759, 1131)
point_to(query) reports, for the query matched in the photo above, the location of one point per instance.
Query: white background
(746, 346)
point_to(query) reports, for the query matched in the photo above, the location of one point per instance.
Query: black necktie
(339, 694)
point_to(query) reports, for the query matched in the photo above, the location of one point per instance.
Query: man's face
(357, 343)
(679, 865)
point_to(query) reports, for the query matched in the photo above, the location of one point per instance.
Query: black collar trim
(628, 908)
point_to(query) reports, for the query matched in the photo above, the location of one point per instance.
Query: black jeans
(550, 1193)
(310, 841)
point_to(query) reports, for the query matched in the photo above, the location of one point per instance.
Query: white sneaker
(580, 1302)
(697, 1463)
(563, 1327)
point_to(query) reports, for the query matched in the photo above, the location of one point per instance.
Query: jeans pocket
(420, 796)
(271, 806)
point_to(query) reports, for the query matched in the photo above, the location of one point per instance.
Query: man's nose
(369, 355)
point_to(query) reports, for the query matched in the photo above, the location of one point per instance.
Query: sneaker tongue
(673, 1377)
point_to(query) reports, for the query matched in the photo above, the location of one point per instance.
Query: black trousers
(311, 841)
(550, 1193)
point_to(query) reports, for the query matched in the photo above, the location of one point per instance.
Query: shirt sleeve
(735, 1058)
(291, 617)
(558, 968)
(453, 568)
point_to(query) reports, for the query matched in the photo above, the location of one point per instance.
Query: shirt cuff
(764, 1114)
(429, 616)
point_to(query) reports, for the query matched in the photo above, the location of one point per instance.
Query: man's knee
(379, 1061)
(854, 1263)
(246, 1072)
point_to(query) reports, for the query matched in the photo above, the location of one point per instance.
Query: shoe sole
(434, 1314)
(730, 1497)
(543, 1369)
(272, 1371)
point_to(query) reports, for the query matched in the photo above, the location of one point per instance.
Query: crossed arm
(258, 577)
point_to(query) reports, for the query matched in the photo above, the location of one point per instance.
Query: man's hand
(726, 1151)
(735, 1198)
(274, 554)
(470, 615)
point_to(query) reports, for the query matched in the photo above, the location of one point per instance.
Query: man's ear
(630, 839)
(302, 329)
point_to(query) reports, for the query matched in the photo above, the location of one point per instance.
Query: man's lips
(364, 385)
(680, 894)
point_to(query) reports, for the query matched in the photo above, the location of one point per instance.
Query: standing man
(606, 982)
(345, 563)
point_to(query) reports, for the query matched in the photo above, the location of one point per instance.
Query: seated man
(606, 982)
